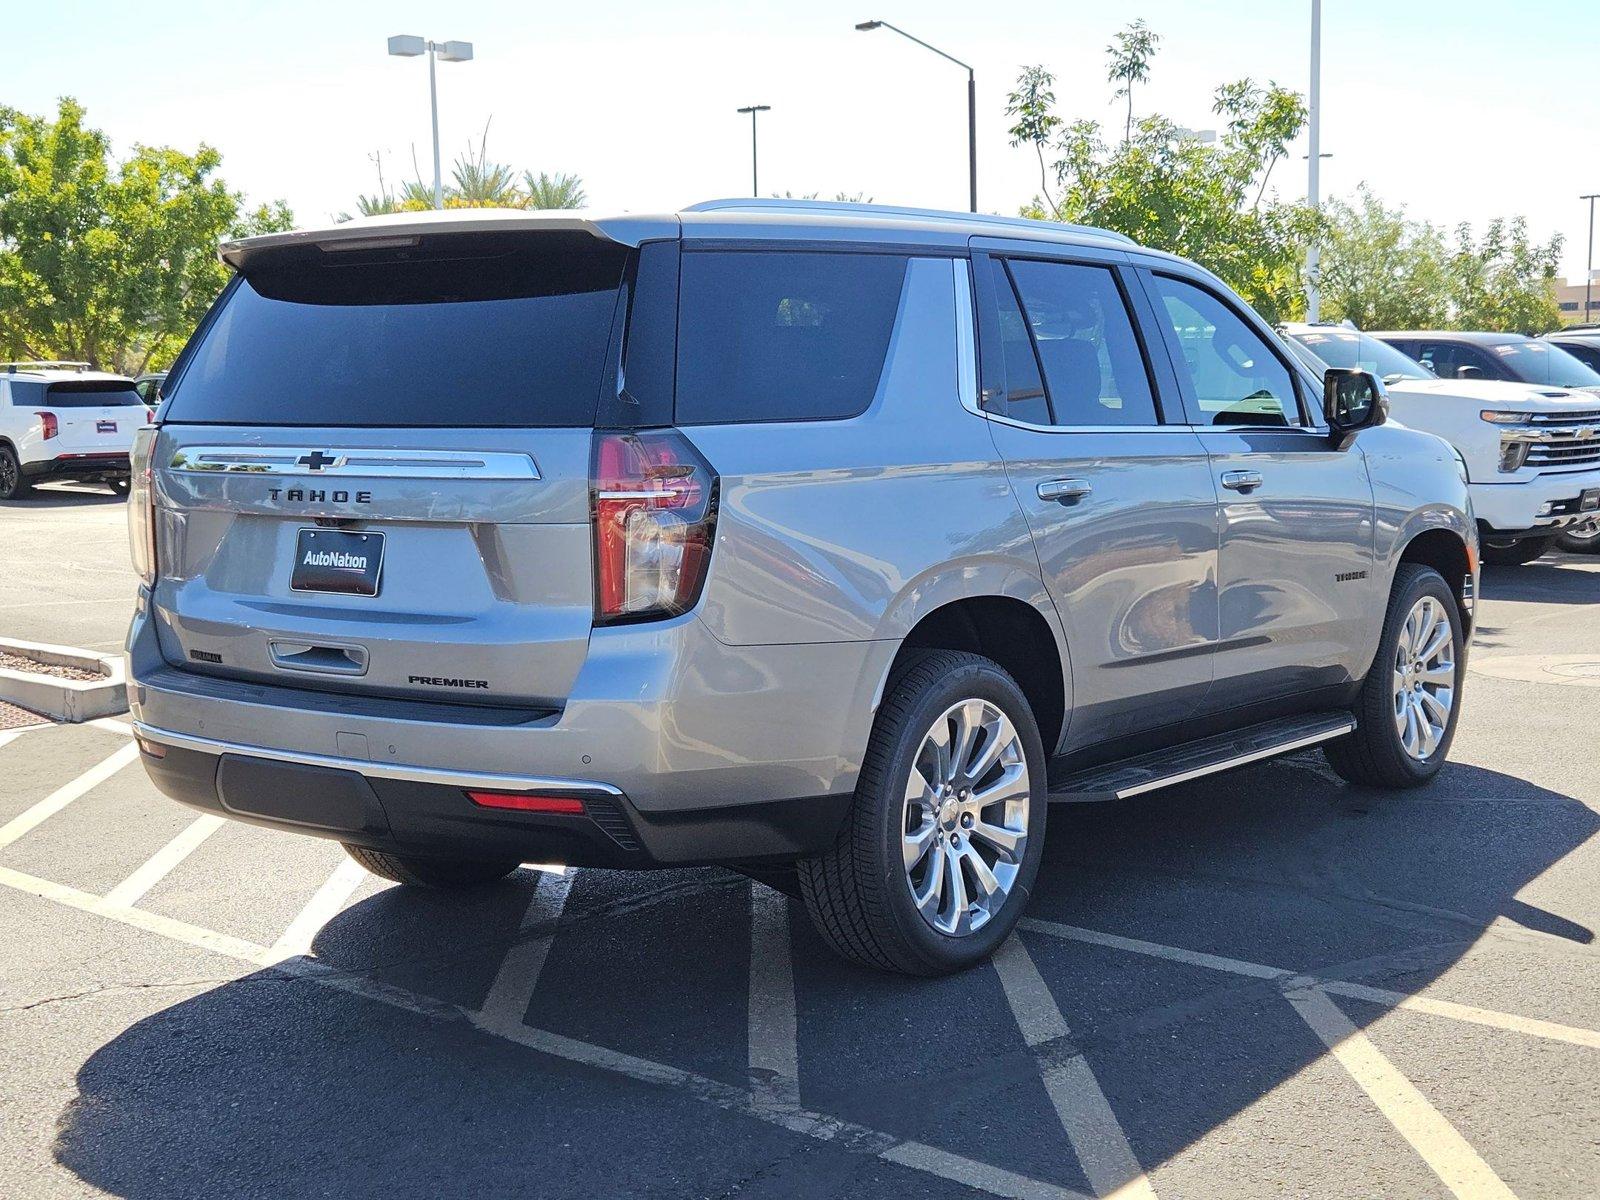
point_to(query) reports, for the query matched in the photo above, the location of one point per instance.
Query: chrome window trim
(355, 462)
(966, 336)
(370, 768)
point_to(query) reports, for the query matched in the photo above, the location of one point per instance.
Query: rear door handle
(1064, 491)
(1241, 481)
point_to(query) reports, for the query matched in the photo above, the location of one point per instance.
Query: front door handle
(1064, 491)
(1241, 481)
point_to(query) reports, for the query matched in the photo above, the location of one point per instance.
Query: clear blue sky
(1461, 110)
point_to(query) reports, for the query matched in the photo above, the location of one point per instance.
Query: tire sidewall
(20, 487)
(1427, 583)
(979, 681)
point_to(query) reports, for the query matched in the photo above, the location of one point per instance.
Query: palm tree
(552, 191)
(480, 183)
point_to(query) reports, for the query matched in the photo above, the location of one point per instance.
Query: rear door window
(783, 335)
(459, 330)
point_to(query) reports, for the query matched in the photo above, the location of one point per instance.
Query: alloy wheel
(1424, 678)
(964, 826)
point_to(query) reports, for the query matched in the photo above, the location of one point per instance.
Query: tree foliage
(103, 262)
(1128, 62)
(1383, 270)
(1165, 189)
(476, 181)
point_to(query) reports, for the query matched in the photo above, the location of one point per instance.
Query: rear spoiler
(400, 229)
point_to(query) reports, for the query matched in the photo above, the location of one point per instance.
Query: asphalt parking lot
(1265, 984)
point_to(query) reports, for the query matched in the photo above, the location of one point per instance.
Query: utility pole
(1588, 268)
(1313, 183)
(753, 109)
(972, 102)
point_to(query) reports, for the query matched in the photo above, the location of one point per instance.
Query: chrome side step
(1192, 760)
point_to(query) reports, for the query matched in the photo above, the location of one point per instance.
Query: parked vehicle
(1532, 453)
(60, 420)
(828, 542)
(149, 387)
(1583, 343)
(1512, 357)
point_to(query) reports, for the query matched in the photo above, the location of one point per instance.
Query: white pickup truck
(1532, 453)
(61, 420)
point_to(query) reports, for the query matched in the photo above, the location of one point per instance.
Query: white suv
(63, 421)
(1532, 453)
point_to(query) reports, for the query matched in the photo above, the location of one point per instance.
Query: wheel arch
(1447, 552)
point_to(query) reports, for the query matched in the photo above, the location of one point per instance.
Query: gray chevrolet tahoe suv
(827, 542)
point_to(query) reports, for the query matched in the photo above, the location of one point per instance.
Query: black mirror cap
(1353, 400)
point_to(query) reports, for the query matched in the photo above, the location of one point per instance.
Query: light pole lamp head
(407, 46)
(755, 108)
(869, 26)
(455, 52)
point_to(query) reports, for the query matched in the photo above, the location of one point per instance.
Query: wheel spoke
(929, 899)
(1012, 783)
(969, 726)
(1440, 636)
(956, 886)
(982, 875)
(1435, 707)
(919, 790)
(1007, 842)
(915, 845)
(1440, 676)
(1000, 736)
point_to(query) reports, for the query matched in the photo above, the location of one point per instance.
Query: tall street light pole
(753, 109)
(972, 102)
(1313, 183)
(1588, 269)
(408, 46)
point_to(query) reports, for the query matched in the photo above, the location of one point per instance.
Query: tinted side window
(1446, 359)
(1233, 374)
(1025, 398)
(783, 335)
(1583, 352)
(1093, 367)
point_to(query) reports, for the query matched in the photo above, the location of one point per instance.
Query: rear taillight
(49, 424)
(655, 509)
(142, 504)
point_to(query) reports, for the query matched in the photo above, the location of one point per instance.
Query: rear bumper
(699, 746)
(78, 466)
(433, 816)
(1540, 506)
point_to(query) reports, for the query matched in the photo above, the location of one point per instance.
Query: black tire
(1516, 554)
(1373, 755)
(14, 484)
(857, 892)
(1577, 543)
(446, 874)
(119, 487)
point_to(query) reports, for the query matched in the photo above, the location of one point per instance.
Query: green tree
(1503, 281)
(109, 263)
(1032, 104)
(552, 191)
(1128, 62)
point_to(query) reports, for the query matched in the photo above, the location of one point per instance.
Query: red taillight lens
(654, 515)
(520, 802)
(48, 422)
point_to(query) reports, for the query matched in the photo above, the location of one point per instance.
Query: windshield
(1347, 348)
(1540, 362)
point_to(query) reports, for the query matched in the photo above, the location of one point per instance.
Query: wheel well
(1013, 634)
(1445, 552)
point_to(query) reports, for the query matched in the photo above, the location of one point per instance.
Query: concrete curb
(68, 700)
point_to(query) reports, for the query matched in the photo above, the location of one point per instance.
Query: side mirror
(1466, 371)
(1352, 400)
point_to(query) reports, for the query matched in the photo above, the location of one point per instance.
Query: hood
(1499, 393)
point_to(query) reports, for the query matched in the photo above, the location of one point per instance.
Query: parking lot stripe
(506, 1002)
(112, 725)
(1573, 1035)
(810, 1124)
(1445, 1151)
(1085, 1114)
(319, 910)
(132, 889)
(66, 794)
(773, 1027)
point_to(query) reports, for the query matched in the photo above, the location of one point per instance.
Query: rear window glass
(462, 330)
(781, 335)
(91, 393)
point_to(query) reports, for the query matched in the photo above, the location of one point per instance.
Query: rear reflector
(526, 803)
(153, 749)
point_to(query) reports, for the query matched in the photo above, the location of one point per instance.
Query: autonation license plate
(335, 560)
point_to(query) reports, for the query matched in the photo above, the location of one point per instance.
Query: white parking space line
(112, 725)
(1445, 1151)
(161, 864)
(1086, 1116)
(66, 794)
(815, 1125)
(319, 910)
(773, 1026)
(1471, 1014)
(506, 1003)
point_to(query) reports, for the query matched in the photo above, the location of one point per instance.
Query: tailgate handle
(321, 659)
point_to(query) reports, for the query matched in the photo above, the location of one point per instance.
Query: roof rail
(52, 364)
(892, 210)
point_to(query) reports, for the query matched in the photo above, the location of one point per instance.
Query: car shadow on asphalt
(1549, 580)
(268, 1085)
(74, 496)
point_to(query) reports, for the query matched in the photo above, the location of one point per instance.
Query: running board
(1192, 760)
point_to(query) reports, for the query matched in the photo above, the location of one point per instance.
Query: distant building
(1569, 296)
